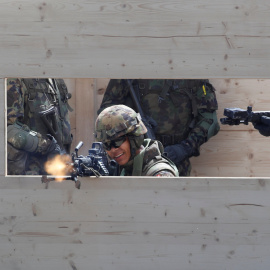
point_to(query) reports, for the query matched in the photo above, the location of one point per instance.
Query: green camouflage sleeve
(16, 92)
(116, 93)
(206, 125)
(15, 100)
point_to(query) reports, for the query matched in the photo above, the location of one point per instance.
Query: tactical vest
(155, 165)
(169, 85)
(174, 104)
(41, 95)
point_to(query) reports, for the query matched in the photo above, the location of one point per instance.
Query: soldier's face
(121, 154)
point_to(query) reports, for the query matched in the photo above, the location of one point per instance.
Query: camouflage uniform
(26, 98)
(118, 121)
(182, 112)
(149, 162)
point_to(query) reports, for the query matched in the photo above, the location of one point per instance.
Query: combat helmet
(119, 120)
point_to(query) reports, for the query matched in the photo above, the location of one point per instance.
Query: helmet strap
(135, 144)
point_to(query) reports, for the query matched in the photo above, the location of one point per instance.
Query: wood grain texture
(101, 85)
(2, 127)
(141, 223)
(120, 223)
(84, 113)
(233, 154)
(147, 39)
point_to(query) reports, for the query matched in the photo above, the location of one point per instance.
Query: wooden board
(130, 223)
(2, 127)
(146, 39)
(135, 223)
(233, 154)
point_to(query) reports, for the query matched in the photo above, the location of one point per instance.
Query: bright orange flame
(59, 166)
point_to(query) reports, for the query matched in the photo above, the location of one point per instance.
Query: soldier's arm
(206, 124)
(116, 93)
(20, 135)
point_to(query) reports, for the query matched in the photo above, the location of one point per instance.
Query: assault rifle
(96, 164)
(237, 116)
(146, 119)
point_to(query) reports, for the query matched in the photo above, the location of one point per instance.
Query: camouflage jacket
(26, 98)
(185, 111)
(150, 162)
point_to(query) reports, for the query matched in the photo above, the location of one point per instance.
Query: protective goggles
(114, 143)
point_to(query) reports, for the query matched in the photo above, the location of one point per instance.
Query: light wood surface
(129, 223)
(131, 39)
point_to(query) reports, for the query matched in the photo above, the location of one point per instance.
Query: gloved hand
(263, 126)
(177, 152)
(53, 147)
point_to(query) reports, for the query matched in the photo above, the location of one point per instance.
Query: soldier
(182, 113)
(121, 131)
(37, 115)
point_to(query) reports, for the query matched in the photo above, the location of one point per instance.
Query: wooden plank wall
(144, 223)
(148, 39)
(86, 98)
(135, 224)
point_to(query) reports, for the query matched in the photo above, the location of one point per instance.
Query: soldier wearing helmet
(182, 113)
(121, 131)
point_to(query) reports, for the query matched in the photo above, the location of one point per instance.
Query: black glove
(177, 152)
(53, 147)
(263, 126)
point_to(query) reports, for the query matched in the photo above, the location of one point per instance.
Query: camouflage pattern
(149, 162)
(185, 111)
(116, 121)
(24, 108)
